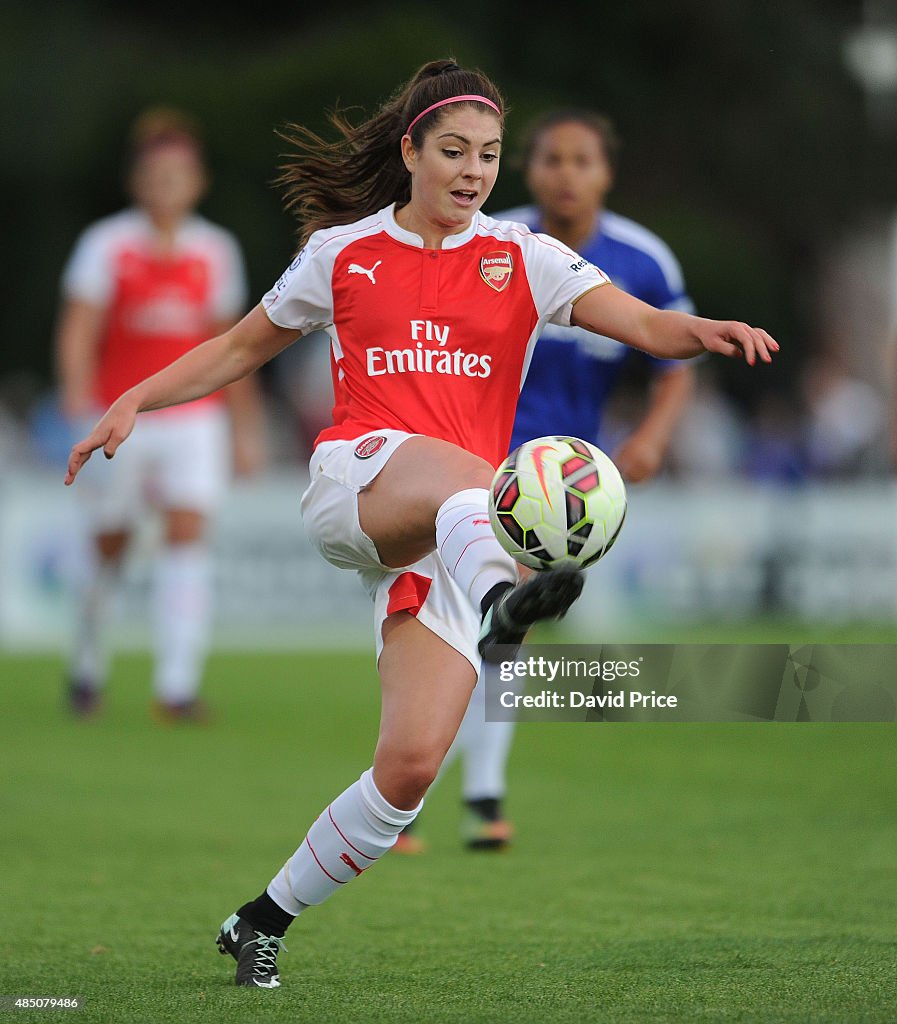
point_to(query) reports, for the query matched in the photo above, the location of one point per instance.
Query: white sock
(485, 747)
(182, 604)
(348, 837)
(467, 546)
(90, 655)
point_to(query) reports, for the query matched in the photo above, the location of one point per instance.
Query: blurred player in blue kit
(570, 160)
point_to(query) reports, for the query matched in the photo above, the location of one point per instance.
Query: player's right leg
(111, 499)
(89, 662)
(426, 685)
(433, 494)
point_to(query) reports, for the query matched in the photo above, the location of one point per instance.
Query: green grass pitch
(676, 873)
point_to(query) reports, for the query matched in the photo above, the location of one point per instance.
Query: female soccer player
(432, 310)
(142, 287)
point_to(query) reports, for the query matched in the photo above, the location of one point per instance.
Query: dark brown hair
(330, 183)
(600, 124)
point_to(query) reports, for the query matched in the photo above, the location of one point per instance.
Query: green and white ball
(557, 501)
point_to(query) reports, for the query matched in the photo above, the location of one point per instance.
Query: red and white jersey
(158, 305)
(430, 341)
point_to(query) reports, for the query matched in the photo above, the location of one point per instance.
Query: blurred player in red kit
(141, 288)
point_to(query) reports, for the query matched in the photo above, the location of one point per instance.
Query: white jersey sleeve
(88, 275)
(302, 297)
(558, 277)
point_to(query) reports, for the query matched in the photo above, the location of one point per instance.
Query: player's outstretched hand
(108, 434)
(737, 340)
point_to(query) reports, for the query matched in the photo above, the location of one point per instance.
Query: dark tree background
(745, 140)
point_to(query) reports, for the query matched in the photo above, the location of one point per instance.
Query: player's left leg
(192, 454)
(182, 609)
(484, 748)
(426, 685)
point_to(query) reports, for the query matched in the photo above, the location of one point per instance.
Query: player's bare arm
(245, 405)
(77, 345)
(667, 333)
(206, 368)
(641, 455)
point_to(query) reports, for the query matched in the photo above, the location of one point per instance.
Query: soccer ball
(557, 501)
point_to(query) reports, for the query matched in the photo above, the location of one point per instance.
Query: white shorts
(339, 470)
(172, 459)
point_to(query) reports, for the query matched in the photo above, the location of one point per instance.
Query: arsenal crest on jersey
(496, 269)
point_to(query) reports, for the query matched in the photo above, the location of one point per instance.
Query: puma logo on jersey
(355, 268)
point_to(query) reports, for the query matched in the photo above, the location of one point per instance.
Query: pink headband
(453, 99)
